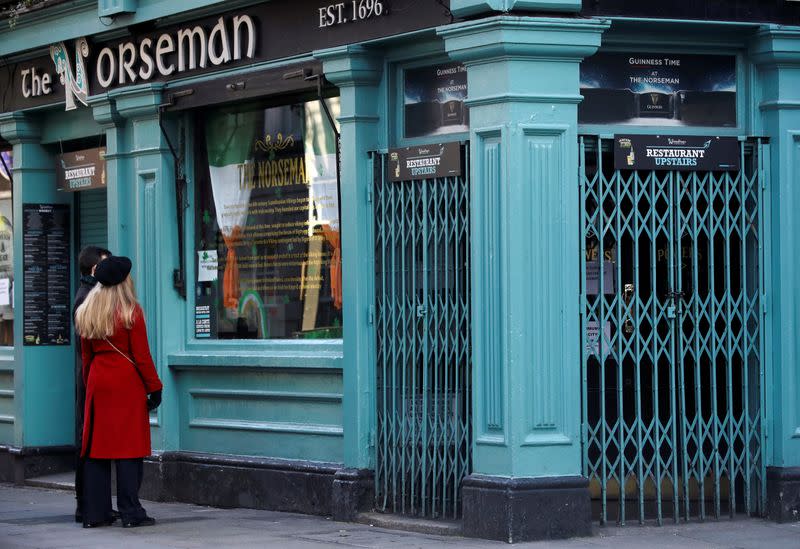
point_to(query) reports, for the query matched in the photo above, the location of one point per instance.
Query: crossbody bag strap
(129, 360)
(120, 352)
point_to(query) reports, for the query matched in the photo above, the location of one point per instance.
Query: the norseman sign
(278, 29)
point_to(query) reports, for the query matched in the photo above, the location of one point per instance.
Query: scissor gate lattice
(422, 324)
(673, 348)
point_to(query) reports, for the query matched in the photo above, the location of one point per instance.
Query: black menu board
(46, 289)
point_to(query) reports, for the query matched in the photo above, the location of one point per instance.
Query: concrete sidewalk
(42, 518)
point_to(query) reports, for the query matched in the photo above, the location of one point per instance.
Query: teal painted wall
(43, 377)
(315, 401)
(7, 405)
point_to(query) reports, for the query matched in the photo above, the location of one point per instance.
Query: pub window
(268, 255)
(6, 252)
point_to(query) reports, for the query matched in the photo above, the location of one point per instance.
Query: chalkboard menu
(46, 294)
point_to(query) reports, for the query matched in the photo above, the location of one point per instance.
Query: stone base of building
(256, 483)
(18, 464)
(353, 492)
(783, 494)
(526, 509)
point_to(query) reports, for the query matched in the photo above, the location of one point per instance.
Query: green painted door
(423, 329)
(93, 218)
(673, 352)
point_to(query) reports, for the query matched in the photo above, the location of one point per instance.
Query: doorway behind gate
(423, 337)
(673, 350)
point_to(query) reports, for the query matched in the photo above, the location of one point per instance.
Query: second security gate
(673, 367)
(422, 325)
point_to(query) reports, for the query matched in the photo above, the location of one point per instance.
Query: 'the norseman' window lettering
(226, 41)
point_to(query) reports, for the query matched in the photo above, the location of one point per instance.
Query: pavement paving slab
(42, 518)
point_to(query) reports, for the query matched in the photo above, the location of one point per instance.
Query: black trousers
(97, 489)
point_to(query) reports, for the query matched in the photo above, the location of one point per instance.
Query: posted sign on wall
(46, 274)
(425, 162)
(676, 152)
(658, 89)
(82, 170)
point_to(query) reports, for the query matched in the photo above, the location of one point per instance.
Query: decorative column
(143, 225)
(357, 72)
(44, 378)
(776, 53)
(523, 79)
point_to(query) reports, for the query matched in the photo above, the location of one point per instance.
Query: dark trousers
(97, 489)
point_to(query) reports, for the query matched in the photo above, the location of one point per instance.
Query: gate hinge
(369, 195)
(370, 315)
(372, 438)
(765, 427)
(764, 304)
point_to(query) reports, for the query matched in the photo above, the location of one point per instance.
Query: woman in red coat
(121, 385)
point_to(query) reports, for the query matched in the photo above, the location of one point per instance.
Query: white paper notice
(593, 338)
(593, 277)
(5, 292)
(206, 265)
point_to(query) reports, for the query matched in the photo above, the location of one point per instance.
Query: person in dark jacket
(122, 385)
(88, 259)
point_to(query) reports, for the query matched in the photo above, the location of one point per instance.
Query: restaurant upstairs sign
(81, 170)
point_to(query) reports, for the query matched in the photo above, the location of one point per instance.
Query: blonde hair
(97, 316)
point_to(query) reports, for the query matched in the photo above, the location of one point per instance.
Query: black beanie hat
(112, 270)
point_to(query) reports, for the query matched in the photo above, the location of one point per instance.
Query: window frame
(241, 352)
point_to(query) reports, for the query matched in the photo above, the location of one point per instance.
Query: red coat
(116, 422)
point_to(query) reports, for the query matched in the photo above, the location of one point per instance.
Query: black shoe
(107, 522)
(146, 521)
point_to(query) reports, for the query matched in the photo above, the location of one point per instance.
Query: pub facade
(529, 265)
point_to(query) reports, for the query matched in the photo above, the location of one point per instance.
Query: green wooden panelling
(7, 405)
(94, 218)
(673, 341)
(292, 414)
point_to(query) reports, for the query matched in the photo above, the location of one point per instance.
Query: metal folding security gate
(673, 368)
(422, 324)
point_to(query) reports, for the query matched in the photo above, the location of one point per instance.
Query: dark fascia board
(278, 81)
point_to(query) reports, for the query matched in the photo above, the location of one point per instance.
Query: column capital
(18, 127)
(465, 8)
(112, 108)
(104, 111)
(776, 45)
(504, 36)
(351, 65)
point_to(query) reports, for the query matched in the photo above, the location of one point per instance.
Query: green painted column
(357, 73)
(143, 226)
(523, 79)
(44, 377)
(776, 52)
